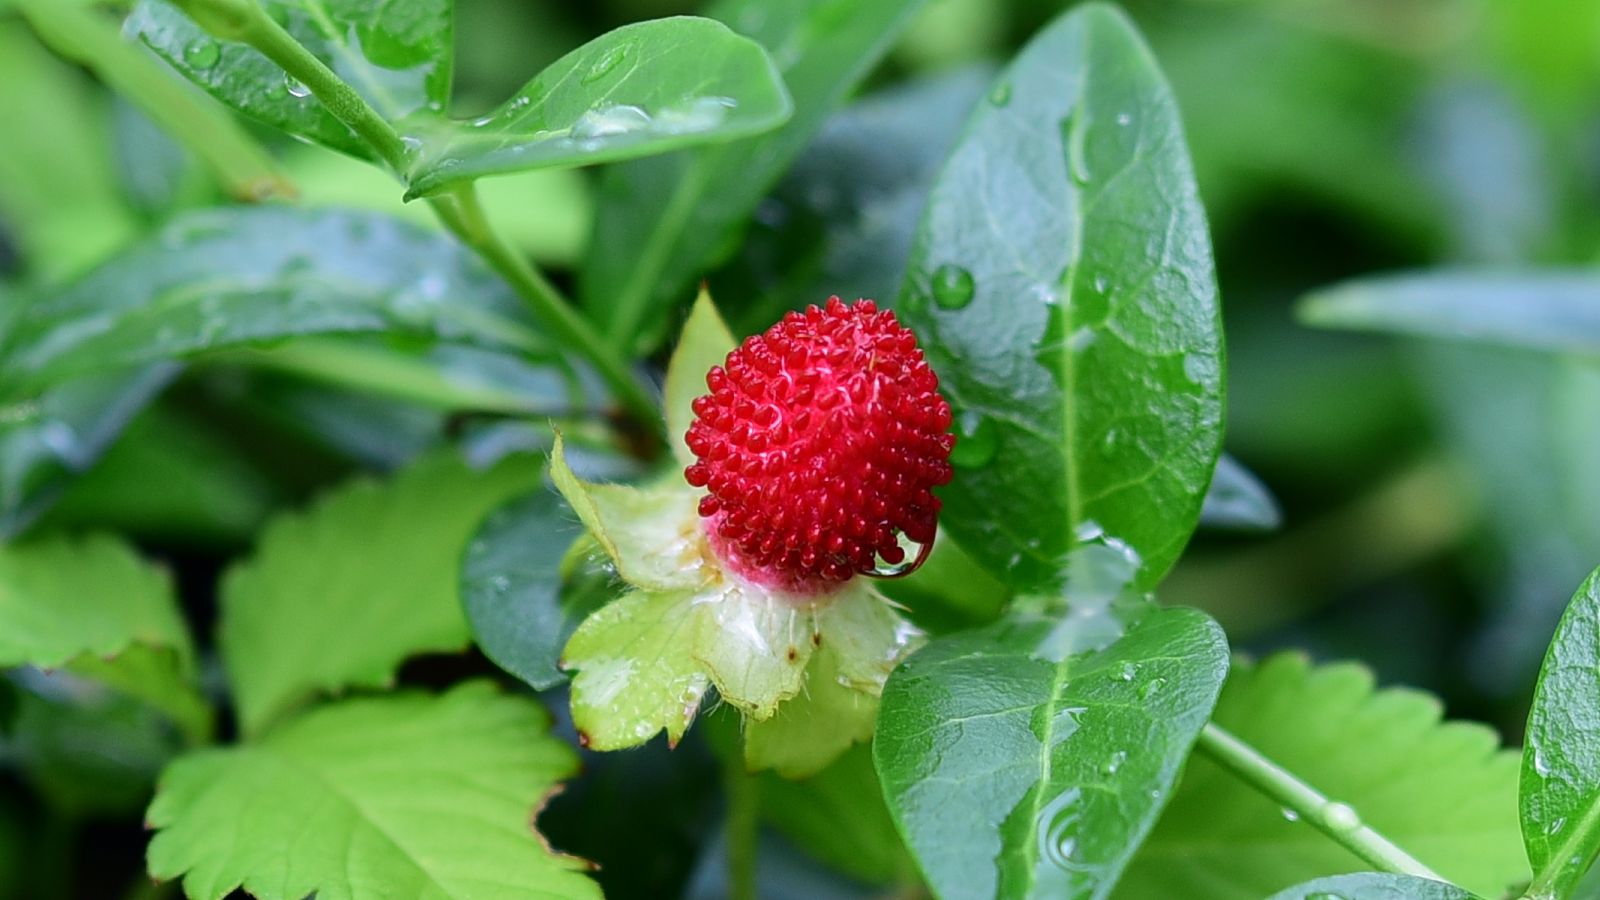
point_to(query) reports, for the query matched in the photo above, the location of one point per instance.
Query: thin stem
(1336, 820)
(458, 210)
(77, 32)
(744, 818)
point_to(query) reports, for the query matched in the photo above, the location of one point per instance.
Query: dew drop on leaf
(607, 62)
(953, 286)
(295, 88)
(202, 54)
(1001, 95)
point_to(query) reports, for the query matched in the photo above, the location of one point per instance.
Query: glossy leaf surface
(642, 89)
(1062, 284)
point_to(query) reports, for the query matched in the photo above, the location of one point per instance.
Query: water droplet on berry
(977, 441)
(202, 54)
(953, 286)
(603, 66)
(1001, 95)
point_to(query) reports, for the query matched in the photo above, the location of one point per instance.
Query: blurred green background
(1439, 500)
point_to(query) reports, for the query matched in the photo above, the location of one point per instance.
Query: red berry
(820, 444)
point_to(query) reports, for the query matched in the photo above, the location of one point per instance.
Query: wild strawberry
(820, 444)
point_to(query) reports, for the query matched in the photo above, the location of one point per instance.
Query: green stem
(744, 819)
(77, 32)
(459, 210)
(1336, 820)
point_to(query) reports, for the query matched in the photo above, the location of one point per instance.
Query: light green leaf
(1552, 310)
(526, 587)
(1016, 771)
(1063, 288)
(1238, 501)
(1560, 770)
(637, 674)
(642, 89)
(402, 796)
(397, 56)
(1442, 790)
(704, 342)
(813, 728)
(652, 534)
(339, 595)
(219, 278)
(1373, 886)
(93, 607)
(662, 220)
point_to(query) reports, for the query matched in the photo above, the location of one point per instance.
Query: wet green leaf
(221, 278)
(407, 795)
(524, 589)
(371, 570)
(1030, 758)
(663, 220)
(1560, 770)
(642, 89)
(91, 606)
(1550, 310)
(1063, 287)
(397, 56)
(1444, 791)
(1373, 886)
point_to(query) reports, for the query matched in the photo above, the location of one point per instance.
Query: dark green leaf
(1560, 770)
(521, 601)
(219, 278)
(662, 220)
(1031, 757)
(399, 796)
(1373, 886)
(1238, 501)
(839, 817)
(396, 55)
(842, 219)
(1444, 791)
(48, 441)
(642, 89)
(1548, 310)
(1062, 284)
(339, 595)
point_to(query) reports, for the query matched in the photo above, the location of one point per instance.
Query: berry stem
(1305, 803)
(744, 819)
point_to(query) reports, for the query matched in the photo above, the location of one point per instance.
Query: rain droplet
(1126, 672)
(1001, 95)
(1114, 763)
(1075, 128)
(1555, 826)
(603, 66)
(1339, 817)
(1101, 284)
(953, 286)
(1124, 119)
(295, 88)
(1058, 829)
(1289, 815)
(1541, 766)
(977, 440)
(607, 121)
(1151, 688)
(202, 54)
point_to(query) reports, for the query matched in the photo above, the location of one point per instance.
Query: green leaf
(1238, 501)
(642, 89)
(46, 442)
(401, 796)
(663, 220)
(1063, 287)
(520, 599)
(1552, 310)
(1560, 773)
(637, 673)
(1016, 771)
(220, 278)
(1373, 886)
(339, 595)
(704, 342)
(1442, 790)
(91, 606)
(397, 56)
